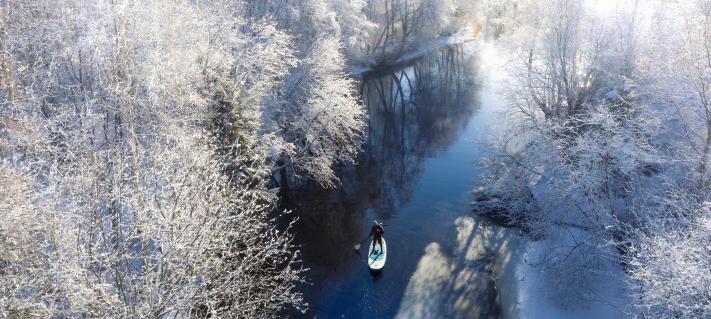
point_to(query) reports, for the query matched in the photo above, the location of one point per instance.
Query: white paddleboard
(377, 256)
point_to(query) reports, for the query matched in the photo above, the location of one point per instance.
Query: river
(416, 172)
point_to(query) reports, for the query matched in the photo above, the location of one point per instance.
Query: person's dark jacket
(377, 231)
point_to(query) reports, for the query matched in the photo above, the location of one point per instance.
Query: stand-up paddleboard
(377, 256)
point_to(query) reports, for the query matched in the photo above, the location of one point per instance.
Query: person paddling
(377, 232)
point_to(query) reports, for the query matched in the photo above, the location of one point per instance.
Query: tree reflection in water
(414, 113)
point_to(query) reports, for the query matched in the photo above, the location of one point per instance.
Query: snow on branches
(323, 119)
(612, 139)
(115, 195)
(671, 269)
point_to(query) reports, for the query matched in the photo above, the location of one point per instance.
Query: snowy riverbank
(465, 35)
(527, 287)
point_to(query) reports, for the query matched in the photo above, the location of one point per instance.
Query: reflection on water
(415, 114)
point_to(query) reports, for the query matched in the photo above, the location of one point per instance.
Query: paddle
(357, 246)
(356, 249)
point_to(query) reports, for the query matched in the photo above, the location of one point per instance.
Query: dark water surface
(415, 175)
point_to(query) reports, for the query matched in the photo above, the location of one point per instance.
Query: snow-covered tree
(577, 162)
(355, 29)
(403, 24)
(671, 267)
(120, 197)
(610, 140)
(321, 121)
(681, 63)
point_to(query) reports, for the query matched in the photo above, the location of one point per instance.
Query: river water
(425, 127)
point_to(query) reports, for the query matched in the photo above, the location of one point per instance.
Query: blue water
(415, 175)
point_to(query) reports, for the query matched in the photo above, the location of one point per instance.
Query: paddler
(377, 232)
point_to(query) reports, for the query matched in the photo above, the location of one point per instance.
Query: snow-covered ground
(597, 290)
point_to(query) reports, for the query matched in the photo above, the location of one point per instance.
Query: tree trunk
(283, 181)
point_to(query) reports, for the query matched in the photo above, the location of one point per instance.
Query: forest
(149, 149)
(608, 146)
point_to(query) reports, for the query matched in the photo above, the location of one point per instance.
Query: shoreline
(462, 36)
